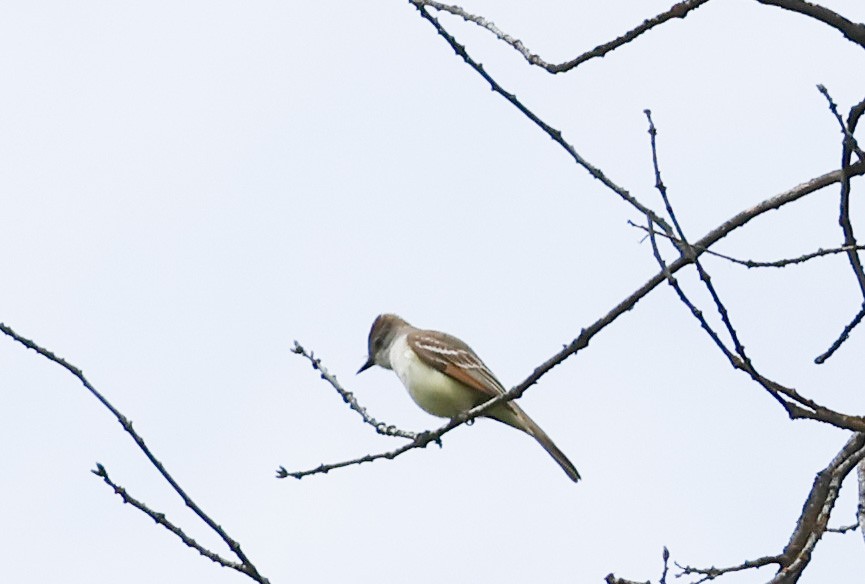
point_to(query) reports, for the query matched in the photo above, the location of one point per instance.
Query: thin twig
(422, 440)
(845, 334)
(849, 139)
(160, 519)
(233, 545)
(685, 248)
(553, 133)
(808, 408)
(740, 359)
(696, 312)
(348, 397)
(797, 406)
(783, 263)
(712, 572)
(680, 10)
(844, 215)
(844, 529)
(846, 224)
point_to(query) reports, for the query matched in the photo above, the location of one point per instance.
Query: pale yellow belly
(433, 391)
(438, 394)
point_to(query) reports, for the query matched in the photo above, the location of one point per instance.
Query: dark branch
(847, 227)
(844, 218)
(421, 441)
(849, 139)
(796, 405)
(852, 31)
(127, 426)
(806, 408)
(553, 133)
(783, 263)
(160, 519)
(666, 557)
(740, 359)
(696, 312)
(845, 334)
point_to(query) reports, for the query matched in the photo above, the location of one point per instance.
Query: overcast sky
(187, 188)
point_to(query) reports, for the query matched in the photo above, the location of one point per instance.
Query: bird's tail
(532, 429)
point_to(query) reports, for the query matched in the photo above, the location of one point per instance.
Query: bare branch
(160, 519)
(778, 201)
(712, 572)
(810, 526)
(817, 509)
(807, 408)
(846, 224)
(799, 407)
(860, 508)
(348, 397)
(847, 228)
(783, 263)
(849, 139)
(696, 312)
(422, 440)
(852, 31)
(680, 10)
(845, 334)
(553, 133)
(844, 529)
(233, 545)
(740, 359)
(685, 248)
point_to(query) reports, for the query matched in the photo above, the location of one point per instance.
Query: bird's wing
(455, 359)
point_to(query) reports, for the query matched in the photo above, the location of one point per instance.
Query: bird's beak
(369, 363)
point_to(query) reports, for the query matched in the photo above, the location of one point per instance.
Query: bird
(445, 377)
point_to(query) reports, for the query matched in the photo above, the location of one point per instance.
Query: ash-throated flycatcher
(445, 377)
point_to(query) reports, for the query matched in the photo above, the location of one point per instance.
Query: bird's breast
(432, 390)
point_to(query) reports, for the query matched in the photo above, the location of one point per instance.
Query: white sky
(186, 188)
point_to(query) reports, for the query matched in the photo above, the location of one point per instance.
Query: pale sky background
(186, 188)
